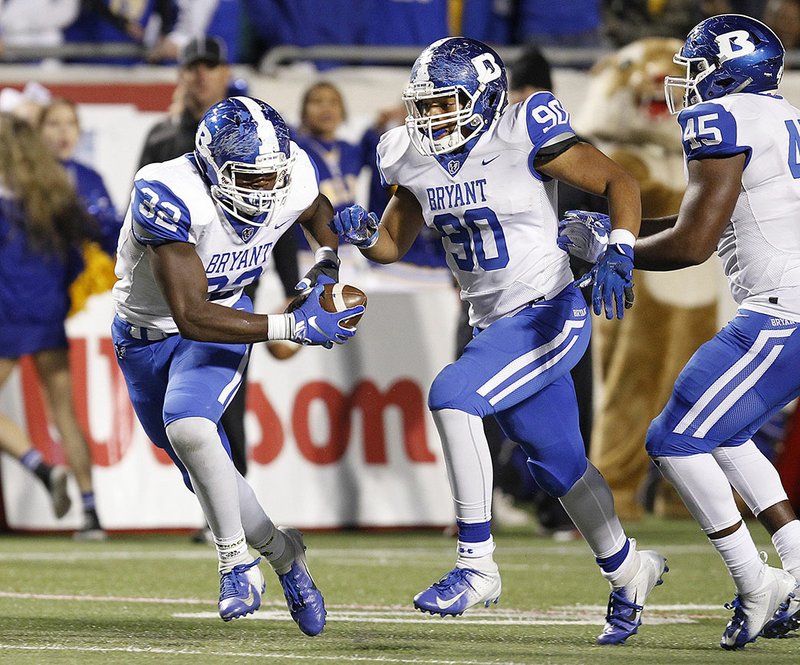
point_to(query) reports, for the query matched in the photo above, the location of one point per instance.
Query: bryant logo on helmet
(243, 150)
(467, 79)
(724, 55)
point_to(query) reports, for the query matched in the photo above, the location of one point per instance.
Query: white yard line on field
(278, 657)
(562, 614)
(331, 555)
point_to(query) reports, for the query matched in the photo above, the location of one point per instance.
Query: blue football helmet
(723, 55)
(238, 139)
(466, 70)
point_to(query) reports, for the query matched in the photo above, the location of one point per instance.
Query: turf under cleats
(626, 603)
(304, 600)
(459, 590)
(240, 590)
(765, 608)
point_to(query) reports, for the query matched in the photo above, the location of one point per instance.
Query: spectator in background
(27, 104)
(42, 227)
(574, 23)
(629, 20)
(403, 23)
(195, 19)
(35, 22)
(487, 20)
(60, 128)
(340, 163)
(783, 16)
(204, 78)
(372, 22)
(112, 22)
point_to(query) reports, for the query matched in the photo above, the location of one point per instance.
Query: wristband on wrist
(621, 237)
(325, 253)
(280, 326)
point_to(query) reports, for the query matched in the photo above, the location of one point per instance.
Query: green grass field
(152, 599)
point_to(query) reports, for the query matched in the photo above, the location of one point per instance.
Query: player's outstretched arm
(315, 222)
(387, 240)
(585, 167)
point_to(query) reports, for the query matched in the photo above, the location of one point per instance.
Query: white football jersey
(496, 215)
(171, 202)
(760, 247)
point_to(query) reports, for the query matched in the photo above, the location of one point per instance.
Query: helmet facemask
(253, 205)
(429, 133)
(681, 91)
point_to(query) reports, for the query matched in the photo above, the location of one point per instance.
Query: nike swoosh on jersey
(489, 161)
(444, 604)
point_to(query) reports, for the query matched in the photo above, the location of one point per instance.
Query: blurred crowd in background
(251, 28)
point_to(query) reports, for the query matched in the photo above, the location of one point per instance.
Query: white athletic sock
(476, 555)
(260, 531)
(232, 552)
(213, 476)
(469, 465)
(704, 488)
(752, 475)
(787, 544)
(590, 505)
(740, 555)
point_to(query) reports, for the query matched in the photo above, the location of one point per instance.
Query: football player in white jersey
(198, 230)
(741, 141)
(483, 174)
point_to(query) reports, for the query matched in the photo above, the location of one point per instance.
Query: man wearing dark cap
(203, 79)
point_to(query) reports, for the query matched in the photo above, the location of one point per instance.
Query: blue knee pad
(453, 388)
(558, 479)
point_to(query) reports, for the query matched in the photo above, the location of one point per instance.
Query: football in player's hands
(337, 298)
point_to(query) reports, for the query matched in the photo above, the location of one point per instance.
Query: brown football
(337, 298)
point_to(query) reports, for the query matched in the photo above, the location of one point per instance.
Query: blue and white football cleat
(763, 609)
(625, 604)
(240, 590)
(786, 619)
(304, 600)
(459, 590)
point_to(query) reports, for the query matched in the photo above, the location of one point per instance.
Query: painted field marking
(565, 615)
(275, 657)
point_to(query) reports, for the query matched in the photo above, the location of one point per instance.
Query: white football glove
(584, 234)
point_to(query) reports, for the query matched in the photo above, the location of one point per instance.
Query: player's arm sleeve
(709, 130)
(548, 127)
(158, 216)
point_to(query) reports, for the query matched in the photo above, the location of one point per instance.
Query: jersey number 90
(477, 238)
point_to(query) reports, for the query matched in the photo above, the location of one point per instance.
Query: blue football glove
(613, 281)
(324, 271)
(356, 226)
(312, 325)
(584, 234)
